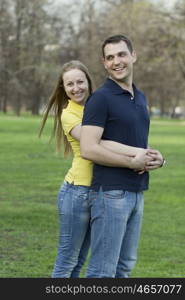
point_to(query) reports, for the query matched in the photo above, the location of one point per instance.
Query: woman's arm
(91, 149)
(75, 132)
(120, 148)
(125, 150)
(110, 145)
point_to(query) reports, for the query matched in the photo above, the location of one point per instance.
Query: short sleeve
(69, 121)
(96, 110)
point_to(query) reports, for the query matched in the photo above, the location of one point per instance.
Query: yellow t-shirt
(81, 171)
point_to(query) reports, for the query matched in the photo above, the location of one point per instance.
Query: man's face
(118, 61)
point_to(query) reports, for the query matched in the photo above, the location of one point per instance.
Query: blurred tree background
(38, 36)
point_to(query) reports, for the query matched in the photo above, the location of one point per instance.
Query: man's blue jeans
(116, 218)
(74, 237)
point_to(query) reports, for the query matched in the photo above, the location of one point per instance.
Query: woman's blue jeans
(74, 237)
(116, 218)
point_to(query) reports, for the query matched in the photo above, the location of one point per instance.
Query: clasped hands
(147, 160)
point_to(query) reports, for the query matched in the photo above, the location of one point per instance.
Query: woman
(67, 102)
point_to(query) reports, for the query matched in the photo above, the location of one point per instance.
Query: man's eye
(109, 57)
(122, 54)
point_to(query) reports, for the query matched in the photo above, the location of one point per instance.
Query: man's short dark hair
(116, 39)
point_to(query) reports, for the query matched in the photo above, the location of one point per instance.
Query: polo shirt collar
(115, 88)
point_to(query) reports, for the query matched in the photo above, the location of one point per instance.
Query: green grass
(30, 176)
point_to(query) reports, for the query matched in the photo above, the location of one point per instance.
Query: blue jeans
(74, 237)
(116, 218)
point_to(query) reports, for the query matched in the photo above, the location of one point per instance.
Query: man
(117, 111)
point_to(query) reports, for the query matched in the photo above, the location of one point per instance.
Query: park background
(37, 37)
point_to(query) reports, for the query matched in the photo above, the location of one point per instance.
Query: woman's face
(76, 85)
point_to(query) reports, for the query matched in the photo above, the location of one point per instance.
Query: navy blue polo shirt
(125, 119)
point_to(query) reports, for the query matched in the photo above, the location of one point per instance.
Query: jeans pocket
(114, 194)
(82, 197)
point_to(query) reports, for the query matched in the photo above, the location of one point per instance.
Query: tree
(5, 39)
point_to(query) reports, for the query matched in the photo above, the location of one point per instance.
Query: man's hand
(140, 161)
(156, 162)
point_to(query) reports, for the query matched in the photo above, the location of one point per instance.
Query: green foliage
(31, 174)
(37, 37)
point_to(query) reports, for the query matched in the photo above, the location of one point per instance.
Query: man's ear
(134, 55)
(103, 62)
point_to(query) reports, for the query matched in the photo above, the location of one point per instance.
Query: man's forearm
(105, 157)
(102, 156)
(91, 149)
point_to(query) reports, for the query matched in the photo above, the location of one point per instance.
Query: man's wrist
(129, 163)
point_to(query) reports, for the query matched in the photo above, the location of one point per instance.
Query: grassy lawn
(30, 176)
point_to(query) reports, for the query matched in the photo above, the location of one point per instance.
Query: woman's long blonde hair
(58, 101)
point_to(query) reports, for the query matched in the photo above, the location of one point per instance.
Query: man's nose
(116, 60)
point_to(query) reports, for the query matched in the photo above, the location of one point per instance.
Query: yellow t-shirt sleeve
(69, 121)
